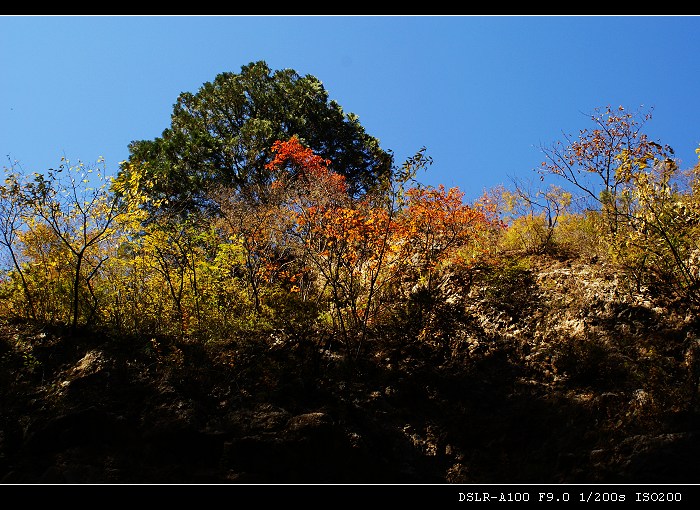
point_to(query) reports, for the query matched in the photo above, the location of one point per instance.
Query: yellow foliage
(529, 234)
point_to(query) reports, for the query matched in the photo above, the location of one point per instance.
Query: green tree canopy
(223, 134)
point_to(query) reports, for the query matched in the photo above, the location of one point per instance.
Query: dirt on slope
(542, 371)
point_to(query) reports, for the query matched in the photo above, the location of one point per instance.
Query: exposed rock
(545, 372)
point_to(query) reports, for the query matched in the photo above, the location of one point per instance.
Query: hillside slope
(542, 371)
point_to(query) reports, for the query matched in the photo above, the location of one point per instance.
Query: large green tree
(223, 135)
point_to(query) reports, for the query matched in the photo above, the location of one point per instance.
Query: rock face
(307, 447)
(546, 372)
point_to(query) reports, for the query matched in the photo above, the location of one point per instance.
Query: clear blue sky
(481, 93)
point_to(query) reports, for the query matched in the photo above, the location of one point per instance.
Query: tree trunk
(76, 289)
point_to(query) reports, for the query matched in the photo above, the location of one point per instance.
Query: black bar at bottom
(361, 495)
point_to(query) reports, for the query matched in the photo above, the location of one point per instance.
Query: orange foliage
(303, 164)
(433, 223)
(437, 221)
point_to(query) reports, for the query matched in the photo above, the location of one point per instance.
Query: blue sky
(480, 93)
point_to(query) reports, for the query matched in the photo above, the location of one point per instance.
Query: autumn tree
(637, 187)
(318, 208)
(435, 222)
(362, 247)
(75, 203)
(661, 224)
(533, 215)
(257, 229)
(223, 134)
(13, 216)
(346, 241)
(591, 161)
